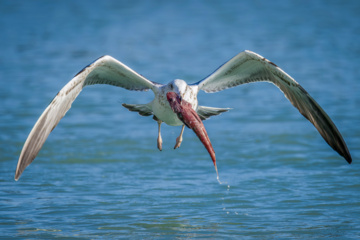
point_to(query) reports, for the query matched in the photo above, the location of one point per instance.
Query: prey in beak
(192, 120)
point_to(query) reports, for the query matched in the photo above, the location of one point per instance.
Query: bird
(245, 67)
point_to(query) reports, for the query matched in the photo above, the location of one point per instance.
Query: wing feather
(105, 70)
(247, 67)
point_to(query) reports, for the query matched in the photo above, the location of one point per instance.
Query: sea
(100, 175)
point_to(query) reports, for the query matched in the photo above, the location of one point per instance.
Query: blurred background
(100, 175)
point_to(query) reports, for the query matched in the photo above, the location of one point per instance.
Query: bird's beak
(191, 119)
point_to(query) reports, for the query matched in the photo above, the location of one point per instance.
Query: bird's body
(160, 105)
(244, 68)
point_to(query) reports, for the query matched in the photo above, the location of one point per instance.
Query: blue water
(100, 175)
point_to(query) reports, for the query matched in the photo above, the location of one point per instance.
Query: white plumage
(244, 68)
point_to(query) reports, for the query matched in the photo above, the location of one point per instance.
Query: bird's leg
(159, 139)
(179, 138)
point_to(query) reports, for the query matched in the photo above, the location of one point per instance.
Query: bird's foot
(159, 143)
(178, 142)
(159, 139)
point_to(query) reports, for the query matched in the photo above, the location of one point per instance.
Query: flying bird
(246, 67)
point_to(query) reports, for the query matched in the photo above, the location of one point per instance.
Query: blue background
(100, 175)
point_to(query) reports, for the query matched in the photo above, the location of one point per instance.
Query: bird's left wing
(105, 70)
(247, 67)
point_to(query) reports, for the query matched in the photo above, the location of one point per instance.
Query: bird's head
(186, 95)
(178, 86)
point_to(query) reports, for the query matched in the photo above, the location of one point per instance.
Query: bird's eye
(171, 86)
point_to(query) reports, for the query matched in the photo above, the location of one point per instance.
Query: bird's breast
(162, 110)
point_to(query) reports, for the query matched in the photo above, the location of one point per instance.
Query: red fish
(191, 119)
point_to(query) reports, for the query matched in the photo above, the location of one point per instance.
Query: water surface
(100, 175)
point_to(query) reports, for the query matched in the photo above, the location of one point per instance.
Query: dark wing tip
(347, 157)
(312, 111)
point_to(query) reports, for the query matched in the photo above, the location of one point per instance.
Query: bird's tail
(142, 109)
(206, 112)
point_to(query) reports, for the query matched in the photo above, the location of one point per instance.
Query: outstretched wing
(247, 67)
(105, 70)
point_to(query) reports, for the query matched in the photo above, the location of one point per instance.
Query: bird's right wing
(247, 67)
(105, 70)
